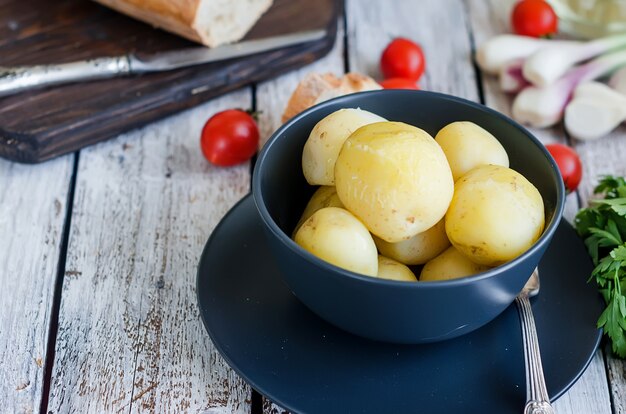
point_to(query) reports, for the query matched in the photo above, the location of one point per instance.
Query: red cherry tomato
(399, 83)
(402, 59)
(569, 164)
(229, 137)
(534, 18)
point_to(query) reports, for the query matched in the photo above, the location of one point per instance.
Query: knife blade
(17, 79)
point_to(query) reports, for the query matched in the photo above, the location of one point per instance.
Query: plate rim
(224, 353)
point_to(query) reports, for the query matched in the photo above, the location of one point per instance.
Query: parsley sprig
(603, 227)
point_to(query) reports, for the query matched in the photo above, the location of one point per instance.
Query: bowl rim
(257, 194)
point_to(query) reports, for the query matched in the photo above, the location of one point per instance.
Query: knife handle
(17, 79)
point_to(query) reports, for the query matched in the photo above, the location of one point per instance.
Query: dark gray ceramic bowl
(388, 310)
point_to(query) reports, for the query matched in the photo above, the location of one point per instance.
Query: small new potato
(395, 178)
(418, 249)
(336, 236)
(325, 141)
(394, 270)
(467, 146)
(495, 215)
(325, 196)
(450, 264)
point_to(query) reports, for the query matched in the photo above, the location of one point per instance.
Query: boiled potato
(467, 146)
(495, 215)
(450, 264)
(336, 236)
(395, 178)
(323, 145)
(394, 270)
(325, 196)
(418, 249)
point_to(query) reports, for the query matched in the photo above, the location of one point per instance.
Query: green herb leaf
(611, 186)
(616, 204)
(586, 219)
(614, 323)
(607, 238)
(619, 253)
(619, 345)
(603, 227)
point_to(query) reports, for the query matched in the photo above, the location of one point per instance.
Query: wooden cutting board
(38, 125)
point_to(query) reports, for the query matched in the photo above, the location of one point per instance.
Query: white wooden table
(98, 249)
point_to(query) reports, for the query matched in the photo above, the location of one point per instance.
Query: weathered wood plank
(617, 377)
(272, 96)
(589, 394)
(130, 336)
(439, 26)
(606, 156)
(33, 203)
(488, 18)
(271, 408)
(271, 100)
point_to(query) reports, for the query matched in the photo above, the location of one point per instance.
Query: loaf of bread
(210, 22)
(315, 88)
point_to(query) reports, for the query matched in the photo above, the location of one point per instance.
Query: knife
(17, 79)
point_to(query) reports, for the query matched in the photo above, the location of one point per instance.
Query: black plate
(306, 365)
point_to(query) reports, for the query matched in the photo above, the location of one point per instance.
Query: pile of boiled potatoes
(393, 201)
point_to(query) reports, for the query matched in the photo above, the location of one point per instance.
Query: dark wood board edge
(32, 149)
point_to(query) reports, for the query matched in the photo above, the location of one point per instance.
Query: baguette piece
(315, 88)
(210, 22)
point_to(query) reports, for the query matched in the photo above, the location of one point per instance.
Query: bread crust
(315, 88)
(176, 16)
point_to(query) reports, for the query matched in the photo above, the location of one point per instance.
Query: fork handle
(537, 399)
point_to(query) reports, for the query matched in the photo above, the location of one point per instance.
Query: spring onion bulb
(549, 63)
(618, 81)
(594, 111)
(498, 50)
(511, 78)
(542, 107)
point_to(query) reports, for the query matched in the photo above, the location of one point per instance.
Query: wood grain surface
(605, 156)
(33, 204)
(41, 124)
(128, 334)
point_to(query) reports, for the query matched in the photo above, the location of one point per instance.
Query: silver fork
(537, 400)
